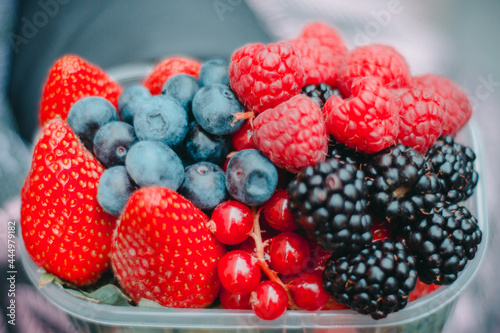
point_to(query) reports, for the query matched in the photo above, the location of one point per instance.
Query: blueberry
(112, 142)
(114, 189)
(163, 119)
(153, 163)
(251, 177)
(200, 145)
(182, 87)
(204, 185)
(130, 100)
(214, 71)
(88, 115)
(214, 107)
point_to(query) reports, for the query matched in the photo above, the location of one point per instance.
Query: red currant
(231, 222)
(266, 233)
(318, 257)
(307, 291)
(421, 290)
(228, 300)
(381, 229)
(243, 138)
(269, 300)
(239, 272)
(289, 253)
(334, 305)
(276, 212)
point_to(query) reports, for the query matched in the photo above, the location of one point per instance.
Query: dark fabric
(113, 32)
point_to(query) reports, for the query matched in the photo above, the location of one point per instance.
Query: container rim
(231, 319)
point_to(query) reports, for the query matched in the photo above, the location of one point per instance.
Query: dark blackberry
(375, 281)
(401, 183)
(344, 154)
(443, 241)
(454, 166)
(319, 93)
(329, 201)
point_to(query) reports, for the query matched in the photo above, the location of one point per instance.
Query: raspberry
(292, 135)
(320, 65)
(380, 61)
(366, 122)
(421, 118)
(458, 108)
(167, 68)
(327, 36)
(264, 76)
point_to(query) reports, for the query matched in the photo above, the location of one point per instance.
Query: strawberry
(163, 251)
(64, 228)
(70, 79)
(167, 68)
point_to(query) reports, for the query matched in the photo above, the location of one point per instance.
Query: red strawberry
(293, 134)
(458, 107)
(263, 76)
(367, 121)
(163, 251)
(167, 68)
(64, 228)
(71, 79)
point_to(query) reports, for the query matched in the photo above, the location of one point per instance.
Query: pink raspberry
(293, 134)
(320, 65)
(327, 36)
(458, 107)
(380, 61)
(421, 118)
(264, 76)
(367, 121)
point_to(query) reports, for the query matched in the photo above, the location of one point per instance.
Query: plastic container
(427, 314)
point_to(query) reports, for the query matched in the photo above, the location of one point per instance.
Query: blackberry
(454, 166)
(375, 281)
(344, 154)
(329, 201)
(319, 93)
(401, 183)
(443, 242)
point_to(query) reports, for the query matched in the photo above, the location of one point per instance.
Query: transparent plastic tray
(427, 314)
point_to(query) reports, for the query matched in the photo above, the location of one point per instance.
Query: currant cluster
(270, 266)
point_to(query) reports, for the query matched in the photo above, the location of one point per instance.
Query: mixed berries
(298, 175)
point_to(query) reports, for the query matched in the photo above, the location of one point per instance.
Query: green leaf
(47, 278)
(110, 294)
(147, 303)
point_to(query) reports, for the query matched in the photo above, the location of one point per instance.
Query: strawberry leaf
(147, 303)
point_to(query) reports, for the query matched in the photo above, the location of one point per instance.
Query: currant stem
(250, 115)
(259, 245)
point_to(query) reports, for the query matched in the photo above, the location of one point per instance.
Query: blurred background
(455, 38)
